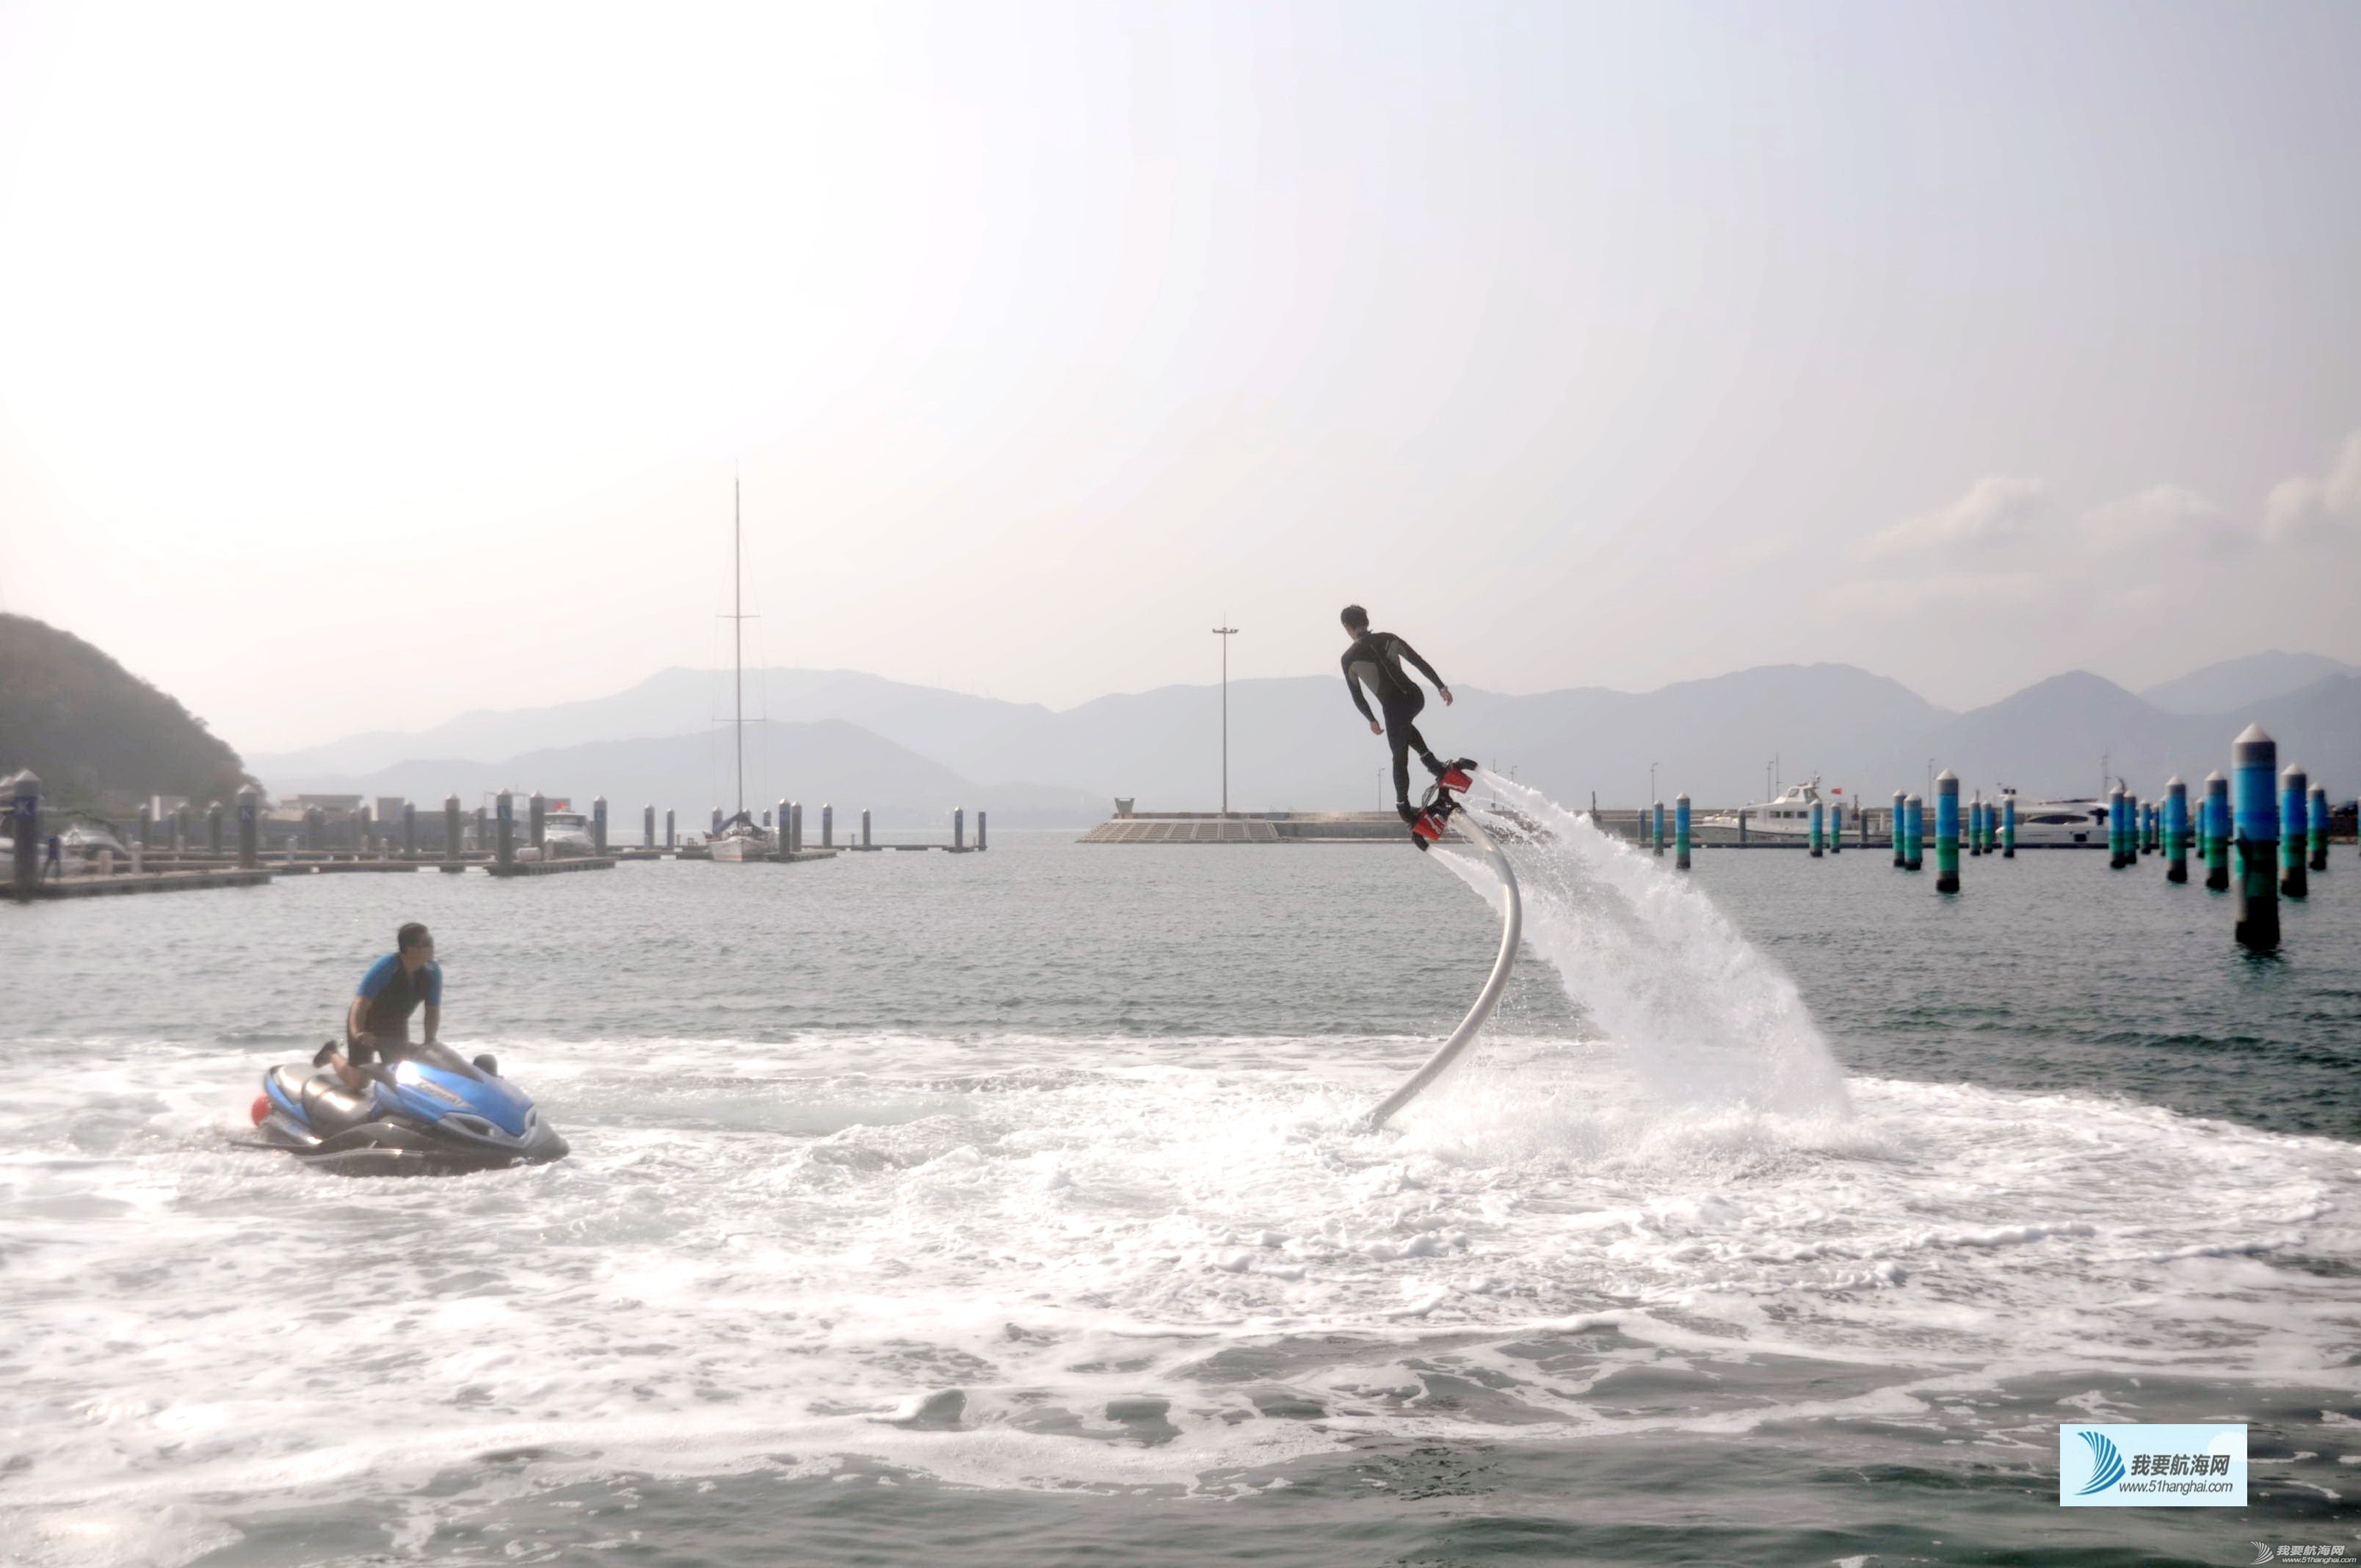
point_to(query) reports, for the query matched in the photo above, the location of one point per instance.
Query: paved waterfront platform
(1252, 827)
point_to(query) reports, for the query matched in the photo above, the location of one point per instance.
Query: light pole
(1652, 781)
(1225, 633)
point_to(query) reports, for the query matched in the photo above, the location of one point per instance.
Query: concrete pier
(550, 867)
(2255, 827)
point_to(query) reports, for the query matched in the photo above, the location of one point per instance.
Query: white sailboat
(740, 838)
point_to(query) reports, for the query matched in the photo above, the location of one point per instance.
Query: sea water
(1012, 1205)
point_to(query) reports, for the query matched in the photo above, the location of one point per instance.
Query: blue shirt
(394, 996)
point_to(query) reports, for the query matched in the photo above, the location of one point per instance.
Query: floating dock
(143, 882)
(552, 867)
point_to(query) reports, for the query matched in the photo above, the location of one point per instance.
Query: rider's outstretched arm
(1407, 651)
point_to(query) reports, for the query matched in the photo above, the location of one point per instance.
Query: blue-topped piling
(1816, 821)
(2295, 793)
(1946, 831)
(24, 788)
(2008, 828)
(2176, 830)
(1835, 827)
(2316, 836)
(2255, 830)
(1680, 832)
(2115, 860)
(1896, 827)
(2214, 829)
(1913, 812)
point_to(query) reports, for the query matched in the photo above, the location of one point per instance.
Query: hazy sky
(362, 365)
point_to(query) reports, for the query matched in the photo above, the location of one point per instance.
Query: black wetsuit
(1375, 661)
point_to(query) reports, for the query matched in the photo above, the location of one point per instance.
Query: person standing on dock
(1375, 661)
(377, 1024)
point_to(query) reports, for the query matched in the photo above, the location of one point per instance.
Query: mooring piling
(2176, 829)
(598, 825)
(1657, 815)
(1819, 818)
(2213, 832)
(2115, 828)
(979, 829)
(795, 818)
(214, 816)
(2295, 793)
(959, 828)
(537, 820)
(450, 846)
(786, 842)
(1914, 811)
(504, 847)
(827, 826)
(1946, 831)
(1680, 832)
(250, 829)
(1835, 827)
(2255, 814)
(671, 831)
(1898, 829)
(2008, 828)
(865, 828)
(1976, 825)
(2317, 827)
(410, 830)
(647, 827)
(25, 827)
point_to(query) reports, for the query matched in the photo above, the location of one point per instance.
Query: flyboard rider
(377, 1024)
(1374, 662)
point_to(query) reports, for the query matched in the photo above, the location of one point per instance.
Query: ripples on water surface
(1010, 1205)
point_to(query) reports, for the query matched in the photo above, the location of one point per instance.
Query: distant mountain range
(912, 752)
(99, 738)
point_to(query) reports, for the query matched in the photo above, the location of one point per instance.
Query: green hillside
(98, 735)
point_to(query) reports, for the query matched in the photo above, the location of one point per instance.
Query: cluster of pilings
(2261, 832)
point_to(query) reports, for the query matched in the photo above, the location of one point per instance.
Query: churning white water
(1105, 1258)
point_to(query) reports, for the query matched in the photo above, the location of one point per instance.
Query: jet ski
(430, 1112)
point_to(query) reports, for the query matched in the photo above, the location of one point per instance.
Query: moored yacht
(2059, 822)
(1790, 813)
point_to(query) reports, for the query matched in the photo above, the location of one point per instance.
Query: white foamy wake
(1021, 1261)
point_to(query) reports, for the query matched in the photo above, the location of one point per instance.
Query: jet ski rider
(377, 1026)
(1375, 661)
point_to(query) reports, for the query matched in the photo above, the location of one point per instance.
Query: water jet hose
(1512, 922)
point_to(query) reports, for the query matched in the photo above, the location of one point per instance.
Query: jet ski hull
(432, 1114)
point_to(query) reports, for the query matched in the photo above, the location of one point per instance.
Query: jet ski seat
(326, 1103)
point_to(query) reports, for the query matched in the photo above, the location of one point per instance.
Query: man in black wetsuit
(377, 1024)
(1375, 661)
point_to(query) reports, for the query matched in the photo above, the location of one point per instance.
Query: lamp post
(1225, 633)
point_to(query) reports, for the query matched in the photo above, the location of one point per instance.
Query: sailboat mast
(738, 636)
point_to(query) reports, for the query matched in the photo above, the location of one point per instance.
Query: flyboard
(1442, 804)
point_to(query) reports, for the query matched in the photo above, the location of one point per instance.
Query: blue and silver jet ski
(429, 1112)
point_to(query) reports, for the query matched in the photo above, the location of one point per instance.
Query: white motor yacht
(567, 834)
(1791, 813)
(2047, 822)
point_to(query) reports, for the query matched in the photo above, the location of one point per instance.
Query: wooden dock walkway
(142, 882)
